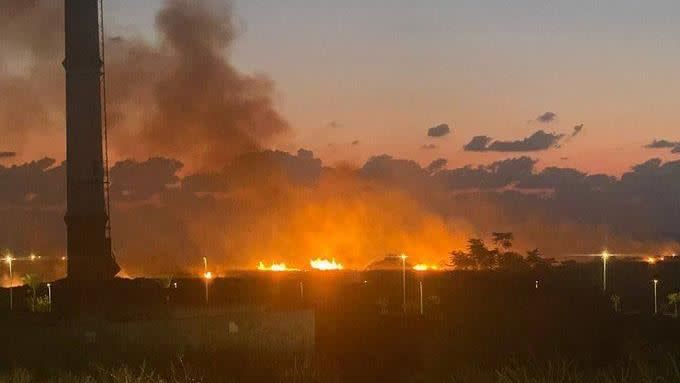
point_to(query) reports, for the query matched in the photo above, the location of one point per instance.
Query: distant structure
(87, 218)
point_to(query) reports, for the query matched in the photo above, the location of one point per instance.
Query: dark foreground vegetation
(478, 326)
(656, 370)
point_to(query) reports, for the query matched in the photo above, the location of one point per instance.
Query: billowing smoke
(180, 97)
(30, 46)
(196, 105)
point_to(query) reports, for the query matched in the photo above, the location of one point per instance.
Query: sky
(383, 72)
(541, 98)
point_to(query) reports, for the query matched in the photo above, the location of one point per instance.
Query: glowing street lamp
(605, 257)
(207, 276)
(9, 259)
(403, 279)
(49, 296)
(656, 304)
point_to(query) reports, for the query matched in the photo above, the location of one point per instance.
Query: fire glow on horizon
(425, 267)
(275, 267)
(325, 265)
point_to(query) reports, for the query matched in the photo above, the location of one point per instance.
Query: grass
(665, 370)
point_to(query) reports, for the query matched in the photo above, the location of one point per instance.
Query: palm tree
(33, 282)
(674, 299)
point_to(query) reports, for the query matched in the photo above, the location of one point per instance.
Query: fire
(325, 264)
(278, 267)
(208, 275)
(425, 267)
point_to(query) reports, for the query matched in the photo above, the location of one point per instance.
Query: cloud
(662, 144)
(577, 130)
(536, 142)
(665, 144)
(439, 131)
(134, 180)
(546, 117)
(273, 205)
(478, 144)
(5, 155)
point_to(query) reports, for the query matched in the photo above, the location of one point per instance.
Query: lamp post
(9, 259)
(605, 257)
(422, 307)
(403, 280)
(207, 276)
(656, 305)
(49, 296)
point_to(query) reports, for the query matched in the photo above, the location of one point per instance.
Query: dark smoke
(180, 98)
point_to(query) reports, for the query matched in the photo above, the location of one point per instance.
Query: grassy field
(656, 370)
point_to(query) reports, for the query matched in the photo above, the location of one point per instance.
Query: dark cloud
(133, 180)
(536, 142)
(4, 155)
(577, 130)
(478, 144)
(439, 131)
(676, 149)
(662, 144)
(546, 117)
(289, 204)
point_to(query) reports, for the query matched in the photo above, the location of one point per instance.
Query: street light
(49, 296)
(422, 308)
(656, 305)
(605, 257)
(403, 280)
(9, 259)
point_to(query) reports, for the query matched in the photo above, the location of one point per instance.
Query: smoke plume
(179, 97)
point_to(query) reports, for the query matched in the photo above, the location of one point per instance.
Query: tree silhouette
(462, 260)
(674, 299)
(483, 257)
(503, 240)
(536, 261)
(33, 282)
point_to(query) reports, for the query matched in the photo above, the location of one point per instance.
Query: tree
(482, 256)
(33, 282)
(503, 240)
(511, 261)
(536, 261)
(462, 261)
(674, 299)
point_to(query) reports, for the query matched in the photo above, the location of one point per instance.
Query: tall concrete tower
(87, 219)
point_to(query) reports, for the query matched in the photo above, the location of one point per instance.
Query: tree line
(478, 256)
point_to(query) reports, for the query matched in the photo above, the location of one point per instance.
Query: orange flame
(325, 264)
(425, 267)
(277, 267)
